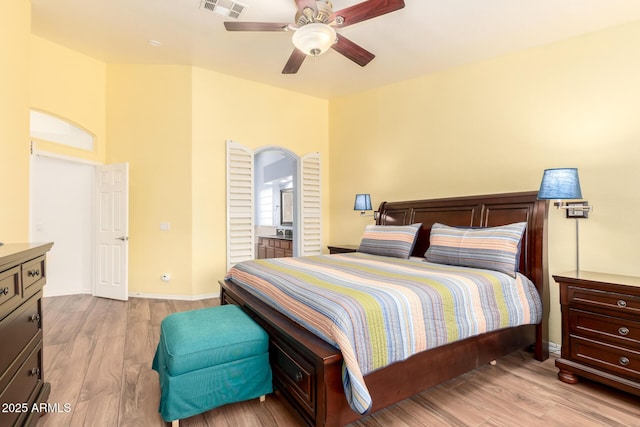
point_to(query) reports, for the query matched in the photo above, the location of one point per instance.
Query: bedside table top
(346, 247)
(592, 276)
(342, 249)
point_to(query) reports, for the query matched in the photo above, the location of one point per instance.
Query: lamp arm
(581, 208)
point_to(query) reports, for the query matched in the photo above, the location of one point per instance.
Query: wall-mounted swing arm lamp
(564, 184)
(363, 204)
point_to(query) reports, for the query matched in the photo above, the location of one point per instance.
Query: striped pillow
(389, 240)
(492, 248)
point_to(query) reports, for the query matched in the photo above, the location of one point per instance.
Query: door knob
(123, 238)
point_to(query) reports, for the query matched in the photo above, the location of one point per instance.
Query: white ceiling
(425, 36)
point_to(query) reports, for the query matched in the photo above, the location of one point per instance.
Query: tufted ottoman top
(197, 339)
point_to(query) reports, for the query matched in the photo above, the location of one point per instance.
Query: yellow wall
(493, 127)
(255, 115)
(171, 123)
(72, 86)
(15, 27)
(482, 128)
(149, 126)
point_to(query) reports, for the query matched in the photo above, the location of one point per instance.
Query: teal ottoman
(210, 357)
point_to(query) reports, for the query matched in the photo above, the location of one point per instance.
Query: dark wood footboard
(307, 370)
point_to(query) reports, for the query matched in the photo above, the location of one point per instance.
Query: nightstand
(600, 329)
(342, 249)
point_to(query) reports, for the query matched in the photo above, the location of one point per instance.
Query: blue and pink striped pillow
(491, 248)
(389, 240)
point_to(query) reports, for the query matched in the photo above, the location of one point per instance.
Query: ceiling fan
(314, 29)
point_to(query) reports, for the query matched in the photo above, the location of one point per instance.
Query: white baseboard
(140, 295)
(64, 293)
(554, 348)
(174, 296)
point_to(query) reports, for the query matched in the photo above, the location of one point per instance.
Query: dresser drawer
(19, 329)
(620, 304)
(618, 360)
(33, 272)
(294, 374)
(10, 294)
(605, 328)
(22, 389)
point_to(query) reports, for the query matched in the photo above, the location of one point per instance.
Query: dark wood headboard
(479, 211)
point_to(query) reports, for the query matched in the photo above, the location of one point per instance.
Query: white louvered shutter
(310, 207)
(240, 223)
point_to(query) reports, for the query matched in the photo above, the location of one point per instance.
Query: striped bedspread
(379, 310)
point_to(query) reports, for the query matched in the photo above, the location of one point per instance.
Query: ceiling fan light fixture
(314, 39)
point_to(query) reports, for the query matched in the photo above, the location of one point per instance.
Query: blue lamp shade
(362, 203)
(560, 184)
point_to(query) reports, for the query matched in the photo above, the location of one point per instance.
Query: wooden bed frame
(307, 370)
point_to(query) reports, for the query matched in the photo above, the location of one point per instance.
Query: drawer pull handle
(34, 317)
(298, 376)
(34, 371)
(4, 291)
(33, 273)
(623, 331)
(622, 303)
(624, 361)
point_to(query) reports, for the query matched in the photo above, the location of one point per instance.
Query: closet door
(240, 217)
(310, 205)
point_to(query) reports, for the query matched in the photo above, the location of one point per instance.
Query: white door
(112, 231)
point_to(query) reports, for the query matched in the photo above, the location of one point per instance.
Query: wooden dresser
(22, 276)
(600, 329)
(274, 247)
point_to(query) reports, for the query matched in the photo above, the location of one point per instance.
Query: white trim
(64, 294)
(174, 296)
(43, 153)
(53, 128)
(150, 296)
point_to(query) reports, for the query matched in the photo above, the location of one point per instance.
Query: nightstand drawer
(619, 303)
(614, 359)
(600, 329)
(605, 328)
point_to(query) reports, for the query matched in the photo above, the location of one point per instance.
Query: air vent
(229, 8)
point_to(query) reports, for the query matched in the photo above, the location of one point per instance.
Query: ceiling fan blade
(295, 61)
(365, 10)
(306, 3)
(354, 52)
(256, 26)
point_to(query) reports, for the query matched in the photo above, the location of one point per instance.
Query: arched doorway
(275, 198)
(241, 212)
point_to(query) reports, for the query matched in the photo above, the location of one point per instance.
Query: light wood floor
(98, 353)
